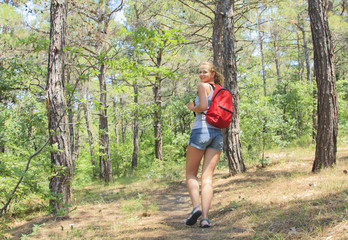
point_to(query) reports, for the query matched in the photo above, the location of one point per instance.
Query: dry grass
(282, 201)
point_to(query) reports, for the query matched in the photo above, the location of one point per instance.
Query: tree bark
(217, 35)
(232, 143)
(62, 165)
(326, 140)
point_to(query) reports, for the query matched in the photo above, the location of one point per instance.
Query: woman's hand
(191, 105)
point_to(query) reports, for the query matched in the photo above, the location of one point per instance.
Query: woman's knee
(190, 177)
(206, 181)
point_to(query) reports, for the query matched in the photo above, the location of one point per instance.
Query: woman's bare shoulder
(203, 85)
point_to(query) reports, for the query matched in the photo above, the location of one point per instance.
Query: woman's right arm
(203, 100)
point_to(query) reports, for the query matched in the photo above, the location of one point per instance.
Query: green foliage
(276, 120)
(23, 131)
(83, 173)
(342, 97)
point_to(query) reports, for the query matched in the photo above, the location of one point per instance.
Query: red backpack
(220, 110)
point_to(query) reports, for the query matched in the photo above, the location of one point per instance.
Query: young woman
(205, 142)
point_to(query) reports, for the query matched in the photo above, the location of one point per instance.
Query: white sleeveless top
(200, 120)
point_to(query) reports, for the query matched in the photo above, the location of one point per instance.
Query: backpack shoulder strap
(213, 85)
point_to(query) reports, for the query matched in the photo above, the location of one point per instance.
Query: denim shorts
(203, 138)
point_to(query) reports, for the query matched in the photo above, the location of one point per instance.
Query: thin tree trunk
(123, 123)
(232, 143)
(314, 115)
(305, 48)
(276, 56)
(326, 141)
(62, 165)
(157, 113)
(104, 143)
(260, 38)
(135, 128)
(116, 124)
(71, 119)
(77, 132)
(136, 93)
(299, 58)
(89, 132)
(309, 80)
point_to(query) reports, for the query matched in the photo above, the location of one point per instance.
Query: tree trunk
(89, 132)
(77, 132)
(123, 123)
(158, 110)
(276, 56)
(157, 120)
(135, 128)
(314, 115)
(62, 165)
(232, 143)
(326, 141)
(299, 58)
(104, 143)
(116, 124)
(136, 94)
(71, 119)
(309, 80)
(217, 35)
(264, 129)
(305, 48)
(260, 38)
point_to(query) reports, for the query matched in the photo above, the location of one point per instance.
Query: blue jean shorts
(206, 138)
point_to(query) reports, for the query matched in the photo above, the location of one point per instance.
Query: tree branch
(196, 10)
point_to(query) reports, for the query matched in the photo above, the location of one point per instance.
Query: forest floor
(282, 201)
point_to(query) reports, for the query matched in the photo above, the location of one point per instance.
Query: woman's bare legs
(193, 159)
(211, 157)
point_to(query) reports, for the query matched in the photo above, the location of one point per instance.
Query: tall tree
(62, 165)
(232, 141)
(217, 34)
(326, 140)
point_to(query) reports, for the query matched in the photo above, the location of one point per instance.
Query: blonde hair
(218, 78)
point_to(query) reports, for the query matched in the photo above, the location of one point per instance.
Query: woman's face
(205, 74)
